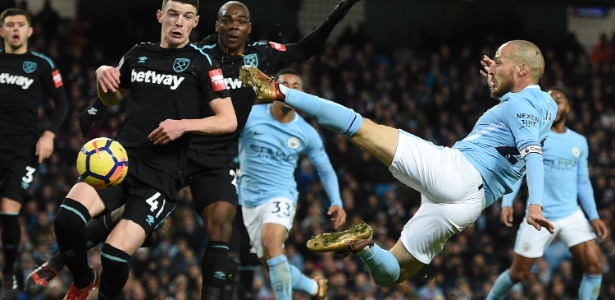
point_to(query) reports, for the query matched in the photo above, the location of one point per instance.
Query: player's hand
(167, 131)
(90, 115)
(108, 78)
(536, 219)
(338, 216)
(44, 146)
(601, 230)
(341, 10)
(507, 216)
(487, 63)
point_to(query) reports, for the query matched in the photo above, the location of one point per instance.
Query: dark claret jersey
(165, 84)
(269, 57)
(23, 80)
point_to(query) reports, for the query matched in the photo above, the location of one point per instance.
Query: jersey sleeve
(315, 150)
(211, 79)
(51, 80)
(124, 67)
(584, 186)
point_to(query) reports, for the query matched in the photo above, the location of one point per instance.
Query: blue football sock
(382, 264)
(329, 114)
(303, 283)
(590, 286)
(501, 287)
(279, 274)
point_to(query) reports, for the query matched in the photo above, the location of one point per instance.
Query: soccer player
(24, 76)
(211, 174)
(167, 84)
(456, 183)
(566, 177)
(269, 149)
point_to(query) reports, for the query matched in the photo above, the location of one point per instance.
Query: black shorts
(211, 179)
(145, 205)
(18, 165)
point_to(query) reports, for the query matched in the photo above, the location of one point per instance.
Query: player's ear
(196, 21)
(250, 28)
(159, 16)
(30, 31)
(216, 26)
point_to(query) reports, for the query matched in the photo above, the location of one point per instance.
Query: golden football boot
(353, 240)
(265, 88)
(323, 287)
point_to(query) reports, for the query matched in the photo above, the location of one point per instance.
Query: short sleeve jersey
(24, 79)
(165, 84)
(269, 57)
(270, 151)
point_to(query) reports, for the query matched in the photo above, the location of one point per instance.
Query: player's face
(177, 19)
(15, 32)
(291, 81)
(563, 107)
(502, 72)
(233, 29)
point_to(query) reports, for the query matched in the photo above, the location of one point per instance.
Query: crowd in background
(432, 90)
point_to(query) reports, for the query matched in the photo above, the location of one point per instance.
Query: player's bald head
(525, 52)
(225, 6)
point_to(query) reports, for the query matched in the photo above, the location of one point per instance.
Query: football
(102, 162)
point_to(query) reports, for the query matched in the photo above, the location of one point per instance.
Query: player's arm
(316, 152)
(90, 115)
(586, 194)
(314, 40)
(223, 121)
(52, 83)
(108, 85)
(506, 216)
(524, 121)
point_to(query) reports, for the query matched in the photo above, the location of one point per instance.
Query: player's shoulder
(575, 135)
(42, 58)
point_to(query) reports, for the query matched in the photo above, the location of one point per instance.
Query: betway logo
(152, 77)
(232, 83)
(23, 81)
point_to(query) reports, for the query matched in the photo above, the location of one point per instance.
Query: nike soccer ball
(102, 162)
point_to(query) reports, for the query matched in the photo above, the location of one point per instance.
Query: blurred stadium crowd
(434, 91)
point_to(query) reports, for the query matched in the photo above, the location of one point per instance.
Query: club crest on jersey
(293, 142)
(29, 66)
(251, 59)
(181, 64)
(576, 152)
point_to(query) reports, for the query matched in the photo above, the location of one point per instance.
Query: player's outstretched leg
(329, 114)
(383, 265)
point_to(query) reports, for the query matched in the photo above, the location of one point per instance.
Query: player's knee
(71, 216)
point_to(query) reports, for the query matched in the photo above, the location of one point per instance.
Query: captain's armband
(530, 149)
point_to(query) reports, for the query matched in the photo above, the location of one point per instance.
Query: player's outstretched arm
(315, 40)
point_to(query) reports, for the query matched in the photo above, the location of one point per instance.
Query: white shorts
(452, 194)
(276, 211)
(572, 230)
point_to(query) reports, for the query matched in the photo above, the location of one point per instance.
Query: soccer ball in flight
(102, 162)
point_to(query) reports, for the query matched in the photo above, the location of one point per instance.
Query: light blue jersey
(521, 120)
(268, 155)
(566, 177)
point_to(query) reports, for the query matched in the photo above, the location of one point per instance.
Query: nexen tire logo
(173, 81)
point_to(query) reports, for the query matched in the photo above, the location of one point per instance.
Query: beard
(504, 86)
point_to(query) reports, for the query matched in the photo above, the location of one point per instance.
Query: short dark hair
(9, 12)
(561, 90)
(194, 3)
(290, 71)
(226, 5)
